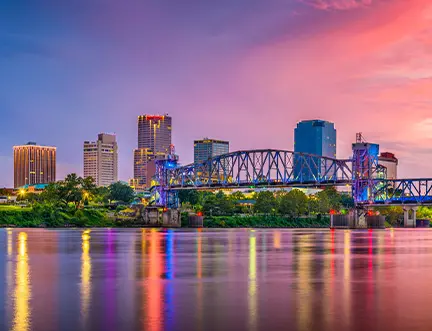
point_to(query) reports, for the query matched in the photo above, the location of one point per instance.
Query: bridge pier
(410, 216)
(360, 219)
(357, 219)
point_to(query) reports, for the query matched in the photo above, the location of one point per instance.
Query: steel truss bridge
(280, 168)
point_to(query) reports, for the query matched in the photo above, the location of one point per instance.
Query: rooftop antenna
(360, 138)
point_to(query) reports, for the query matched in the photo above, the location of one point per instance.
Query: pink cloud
(337, 4)
(370, 73)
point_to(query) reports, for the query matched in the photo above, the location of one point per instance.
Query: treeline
(78, 191)
(74, 201)
(294, 203)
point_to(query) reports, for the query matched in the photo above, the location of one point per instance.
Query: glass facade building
(207, 148)
(315, 137)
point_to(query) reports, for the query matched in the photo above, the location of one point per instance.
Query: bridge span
(281, 168)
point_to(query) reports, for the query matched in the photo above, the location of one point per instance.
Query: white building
(101, 159)
(390, 163)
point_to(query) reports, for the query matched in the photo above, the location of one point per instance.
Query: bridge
(281, 168)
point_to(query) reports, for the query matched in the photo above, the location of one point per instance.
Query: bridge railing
(401, 191)
(259, 167)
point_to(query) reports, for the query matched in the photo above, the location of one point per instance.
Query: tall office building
(154, 142)
(34, 164)
(101, 159)
(314, 137)
(154, 133)
(206, 148)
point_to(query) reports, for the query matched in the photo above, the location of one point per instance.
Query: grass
(5, 207)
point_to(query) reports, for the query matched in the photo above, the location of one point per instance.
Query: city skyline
(255, 65)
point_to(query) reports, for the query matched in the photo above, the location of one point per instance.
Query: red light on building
(199, 213)
(154, 117)
(332, 212)
(370, 213)
(165, 210)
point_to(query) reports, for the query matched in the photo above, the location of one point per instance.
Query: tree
(393, 214)
(265, 202)
(89, 188)
(218, 204)
(209, 205)
(121, 192)
(71, 189)
(347, 201)
(237, 196)
(334, 197)
(191, 196)
(293, 203)
(101, 195)
(323, 204)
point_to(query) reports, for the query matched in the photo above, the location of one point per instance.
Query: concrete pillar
(360, 219)
(410, 217)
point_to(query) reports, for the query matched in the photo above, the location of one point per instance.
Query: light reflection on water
(253, 309)
(85, 277)
(22, 287)
(149, 279)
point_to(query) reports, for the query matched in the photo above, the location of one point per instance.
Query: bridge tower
(164, 196)
(364, 169)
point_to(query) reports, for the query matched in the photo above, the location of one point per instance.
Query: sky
(241, 70)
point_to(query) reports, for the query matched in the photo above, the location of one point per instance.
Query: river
(136, 279)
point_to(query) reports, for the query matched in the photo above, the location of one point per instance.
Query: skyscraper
(34, 164)
(154, 142)
(206, 148)
(315, 137)
(101, 159)
(154, 133)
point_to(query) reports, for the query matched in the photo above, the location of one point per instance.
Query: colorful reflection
(329, 277)
(110, 295)
(347, 274)
(169, 266)
(253, 313)
(9, 270)
(277, 239)
(200, 319)
(155, 286)
(22, 287)
(199, 255)
(305, 288)
(85, 276)
(9, 242)
(170, 275)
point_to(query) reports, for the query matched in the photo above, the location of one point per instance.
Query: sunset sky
(241, 70)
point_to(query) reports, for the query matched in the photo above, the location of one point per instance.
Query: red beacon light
(332, 212)
(199, 213)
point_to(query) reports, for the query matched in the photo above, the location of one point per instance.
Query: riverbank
(45, 216)
(266, 221)
(48, 217)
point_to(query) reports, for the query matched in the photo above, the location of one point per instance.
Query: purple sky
(241, 70)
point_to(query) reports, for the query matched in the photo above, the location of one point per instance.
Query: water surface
(122, 279)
